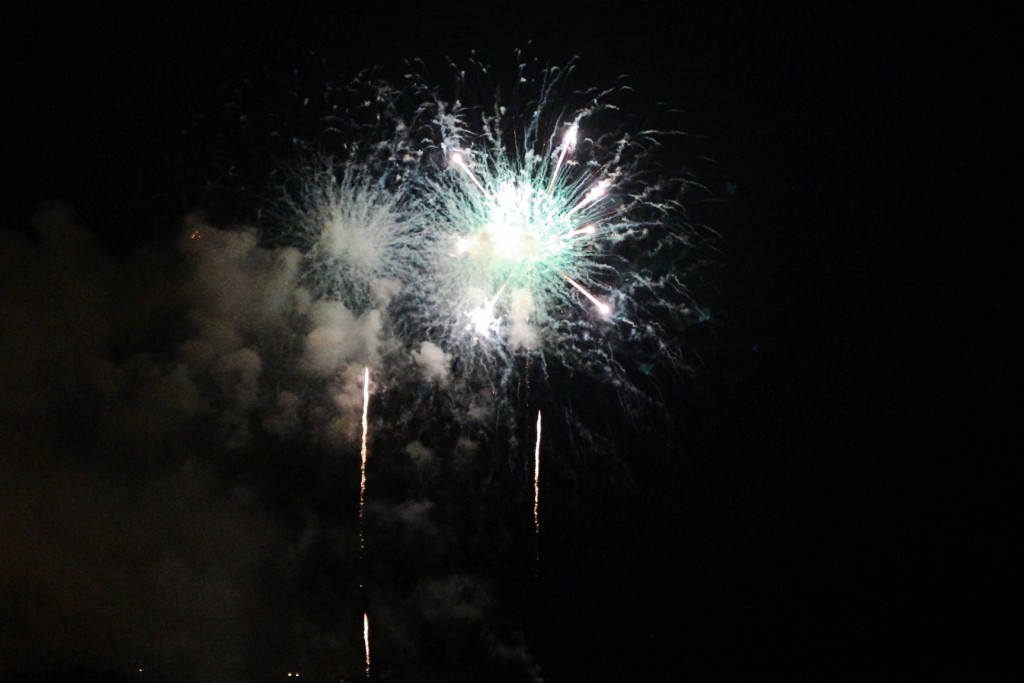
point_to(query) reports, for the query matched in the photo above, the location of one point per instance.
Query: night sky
(823, 494)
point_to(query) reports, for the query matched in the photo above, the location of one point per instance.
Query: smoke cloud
(180, 438)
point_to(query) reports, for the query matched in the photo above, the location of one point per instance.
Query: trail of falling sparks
(366, 642)
(362, 463)
(536, 488)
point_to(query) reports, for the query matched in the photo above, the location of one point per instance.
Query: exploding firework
(353, 220)
(500, 237)
(514, 228)
(498, 224)
(527, 232)
(553, 238)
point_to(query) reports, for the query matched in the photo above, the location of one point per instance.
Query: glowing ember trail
(568, 142)
(602, 307)
(537, 478)
(461, 163)
(362, 465)
(366, 642)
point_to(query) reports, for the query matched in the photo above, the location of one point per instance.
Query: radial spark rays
(494, 221)
(522, 231)
(519, 234)
(354, 220)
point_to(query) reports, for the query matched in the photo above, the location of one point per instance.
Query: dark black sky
(833, 500)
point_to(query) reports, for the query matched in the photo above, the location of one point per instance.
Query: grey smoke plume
(178, 436)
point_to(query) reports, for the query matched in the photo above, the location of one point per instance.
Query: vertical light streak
(362, 462)
(366, 642)
(568, 142)
(362, 504)
(536, 481)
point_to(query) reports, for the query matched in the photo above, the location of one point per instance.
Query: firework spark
(536, 488)
(366, 642)
(536, 479)
(362, 461)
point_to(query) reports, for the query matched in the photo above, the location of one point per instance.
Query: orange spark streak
(536, 480)
(362, 465)
(366, 642)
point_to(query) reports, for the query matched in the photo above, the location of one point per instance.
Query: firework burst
(555, 236)
(354, 226)
(497, 225)
(501, 241)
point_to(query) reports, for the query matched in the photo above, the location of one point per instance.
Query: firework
(497, 221)
(352, 219)
(553, 236)
(519, 229)
(522, 237)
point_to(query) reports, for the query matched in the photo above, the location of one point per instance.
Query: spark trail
(362, 505)
(536, 496)
(366, 642)
(536, 480)
(362, 463)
